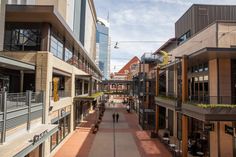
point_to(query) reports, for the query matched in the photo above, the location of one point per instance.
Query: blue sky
(142, 20)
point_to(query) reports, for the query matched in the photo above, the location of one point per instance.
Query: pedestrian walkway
(122, 139)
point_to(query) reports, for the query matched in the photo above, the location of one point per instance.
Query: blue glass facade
(102, 40)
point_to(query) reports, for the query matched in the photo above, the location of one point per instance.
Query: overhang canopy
(15, 64)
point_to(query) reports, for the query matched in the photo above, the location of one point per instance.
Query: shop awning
(23, 143)
(91, 98)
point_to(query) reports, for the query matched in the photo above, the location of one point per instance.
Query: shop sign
(209, 127)
(229, 130)
(38, 137)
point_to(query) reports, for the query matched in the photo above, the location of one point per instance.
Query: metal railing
(19, 100)
(19, 108)
(212, 99)
(63, 93)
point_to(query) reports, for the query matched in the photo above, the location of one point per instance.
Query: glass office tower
(103, 48)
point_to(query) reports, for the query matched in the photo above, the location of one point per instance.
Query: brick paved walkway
(130, 140)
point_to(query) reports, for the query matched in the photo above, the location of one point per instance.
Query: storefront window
(63, 131)
(54, 140)
(67, 125)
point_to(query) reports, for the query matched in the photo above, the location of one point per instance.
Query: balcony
(169, 100)
(209, 108)
(18, 109)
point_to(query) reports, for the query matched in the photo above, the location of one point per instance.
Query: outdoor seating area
(171, 142)
(197, 144)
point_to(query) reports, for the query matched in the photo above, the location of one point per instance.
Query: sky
(141, 26)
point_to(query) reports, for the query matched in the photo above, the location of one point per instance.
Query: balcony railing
(212, 99)
(19, 100)
(17, 109)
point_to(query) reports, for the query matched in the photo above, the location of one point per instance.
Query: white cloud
(142, 20)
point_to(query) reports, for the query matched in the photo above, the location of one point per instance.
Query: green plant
(216, 105)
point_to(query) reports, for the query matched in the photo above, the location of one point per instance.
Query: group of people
(115, 117)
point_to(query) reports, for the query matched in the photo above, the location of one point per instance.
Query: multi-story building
(103, 47)
(49, 81)
(195, 96)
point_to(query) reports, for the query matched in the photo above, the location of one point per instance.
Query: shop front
(62, 118)
(28, 144)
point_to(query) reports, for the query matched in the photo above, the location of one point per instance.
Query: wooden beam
(157, 80)
(184, 136)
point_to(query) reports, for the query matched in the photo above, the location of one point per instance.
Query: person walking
(114, 116)
(128, 108)
(117, 117)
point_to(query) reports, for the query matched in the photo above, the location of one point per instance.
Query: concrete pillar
(21, 81)
(184, 78)
(82, 87)
(167, 116)
(68, 86)
(213, 81)
(157, 94)
(184, 136)
(45, 37)
(2, 22)
(90, 85)
(167, 82)
(43, 83)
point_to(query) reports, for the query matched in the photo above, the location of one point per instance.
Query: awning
(209, 53)
(26, 142)
(89, 98)
(10, 63)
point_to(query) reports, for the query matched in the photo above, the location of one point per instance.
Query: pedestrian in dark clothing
(117, 117)
(114, 117)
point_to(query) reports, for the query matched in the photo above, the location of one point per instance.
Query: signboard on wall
(209, 127)
(229, 130)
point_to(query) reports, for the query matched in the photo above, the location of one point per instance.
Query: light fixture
(116, 46)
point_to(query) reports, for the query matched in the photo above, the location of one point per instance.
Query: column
(184, 78)
(157, 94)
(21, 81)
(157, 81)
(2, 22)
(184, 136)
(82, 87)
(45, 37)
(90, 85)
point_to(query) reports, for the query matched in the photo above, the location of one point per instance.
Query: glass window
(67, 125)
(200, 68)
(205, 67)
(21, 38)
(61, 130)
(54, 140)
(56, 47)
(68, 55)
